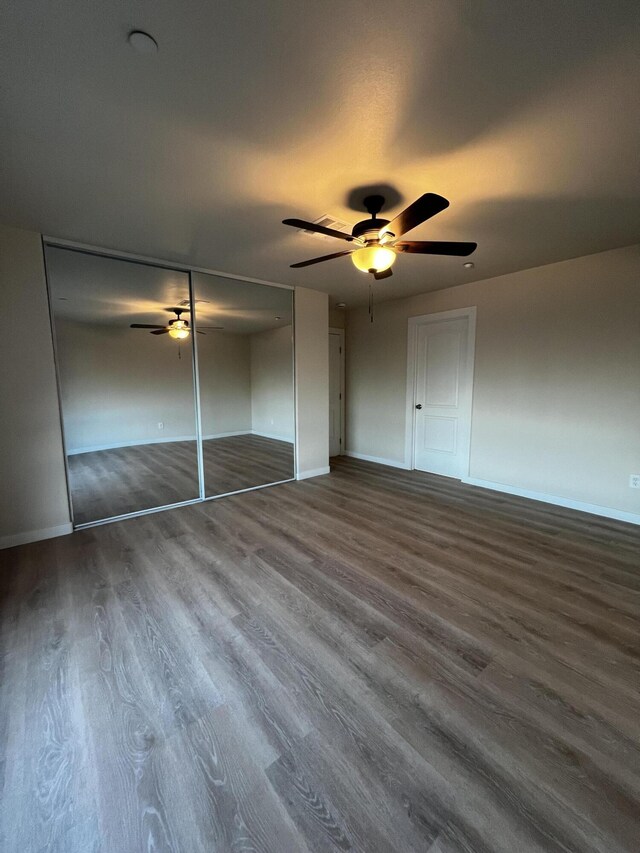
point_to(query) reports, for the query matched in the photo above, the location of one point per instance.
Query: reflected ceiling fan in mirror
(376, 241)
(177, 328)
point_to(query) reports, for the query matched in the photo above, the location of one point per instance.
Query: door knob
(419, 406)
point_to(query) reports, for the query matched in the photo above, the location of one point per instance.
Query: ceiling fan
(176, 328)
(374, 240)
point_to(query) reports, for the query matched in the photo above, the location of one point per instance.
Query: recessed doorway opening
(336, 392)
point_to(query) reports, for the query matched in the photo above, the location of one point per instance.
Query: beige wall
(556, 405)
(272, 412)
(33, 496)
(312, 382)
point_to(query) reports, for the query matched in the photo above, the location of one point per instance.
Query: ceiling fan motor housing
(369, 229)
(178, 318)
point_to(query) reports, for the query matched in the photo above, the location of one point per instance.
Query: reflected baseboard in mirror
(107, 483)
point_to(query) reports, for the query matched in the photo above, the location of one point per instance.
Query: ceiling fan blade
(422, 209)
(320, 229)
(144, 326)
(384, 274)
(318, 260)
(210, 327)
(160, 332)
(434, 247)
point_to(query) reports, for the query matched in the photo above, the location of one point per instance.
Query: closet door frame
(55, 242)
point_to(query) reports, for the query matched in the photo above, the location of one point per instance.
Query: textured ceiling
(524, 115)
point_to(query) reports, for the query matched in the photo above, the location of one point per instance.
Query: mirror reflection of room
(125, 370)
(246, 383)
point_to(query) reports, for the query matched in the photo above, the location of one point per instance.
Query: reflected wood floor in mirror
(240, 462)
(112, 482)
(375, 660)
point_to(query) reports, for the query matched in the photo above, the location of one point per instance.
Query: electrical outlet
(634, 481)
(160, 425)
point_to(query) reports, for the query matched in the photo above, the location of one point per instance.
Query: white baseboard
(35, 535)
(568, 503)
(315, 472)
(393, 463)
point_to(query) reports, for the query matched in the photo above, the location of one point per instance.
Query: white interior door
(335, 394)
(443, 387)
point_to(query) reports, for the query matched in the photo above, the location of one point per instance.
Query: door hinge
(340, 350)
(339, 396)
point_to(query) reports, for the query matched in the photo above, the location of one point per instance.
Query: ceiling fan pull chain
(370, 302)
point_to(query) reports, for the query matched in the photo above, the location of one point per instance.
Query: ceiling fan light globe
(179, 330)
(179, 334)
(375, 257)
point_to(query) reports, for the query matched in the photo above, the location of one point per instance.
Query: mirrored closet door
(245, 367)
(125, 371)
(152, 417)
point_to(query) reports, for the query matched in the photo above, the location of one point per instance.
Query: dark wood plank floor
(105, 483)
(373, 660)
